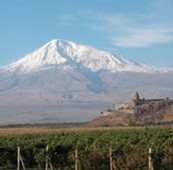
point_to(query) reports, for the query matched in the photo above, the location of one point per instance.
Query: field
(87, 148)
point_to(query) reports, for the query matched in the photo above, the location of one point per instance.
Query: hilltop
(137, 112)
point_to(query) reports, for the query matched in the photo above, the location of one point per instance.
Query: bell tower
(136, 97)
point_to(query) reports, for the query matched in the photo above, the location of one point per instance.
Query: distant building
(138, 106)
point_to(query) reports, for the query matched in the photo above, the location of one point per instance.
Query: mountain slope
(63, 81)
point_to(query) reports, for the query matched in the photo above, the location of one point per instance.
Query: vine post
(110, 158)
(18, 158)
(76, 159)
(150, 163)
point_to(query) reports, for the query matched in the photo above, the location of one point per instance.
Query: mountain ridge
(68, 54)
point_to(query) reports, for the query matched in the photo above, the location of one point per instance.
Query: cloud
(151, 27)
(144, 38)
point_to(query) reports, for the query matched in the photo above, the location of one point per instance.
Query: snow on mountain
(63, 82)
(71, 55)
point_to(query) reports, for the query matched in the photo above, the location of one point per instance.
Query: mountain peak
(69, 54)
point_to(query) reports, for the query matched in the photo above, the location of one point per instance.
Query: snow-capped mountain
(71, 55)
(64, 81)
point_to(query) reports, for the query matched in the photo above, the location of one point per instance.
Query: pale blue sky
(140, 30)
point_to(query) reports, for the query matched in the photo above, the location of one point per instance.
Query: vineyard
(129, 149)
